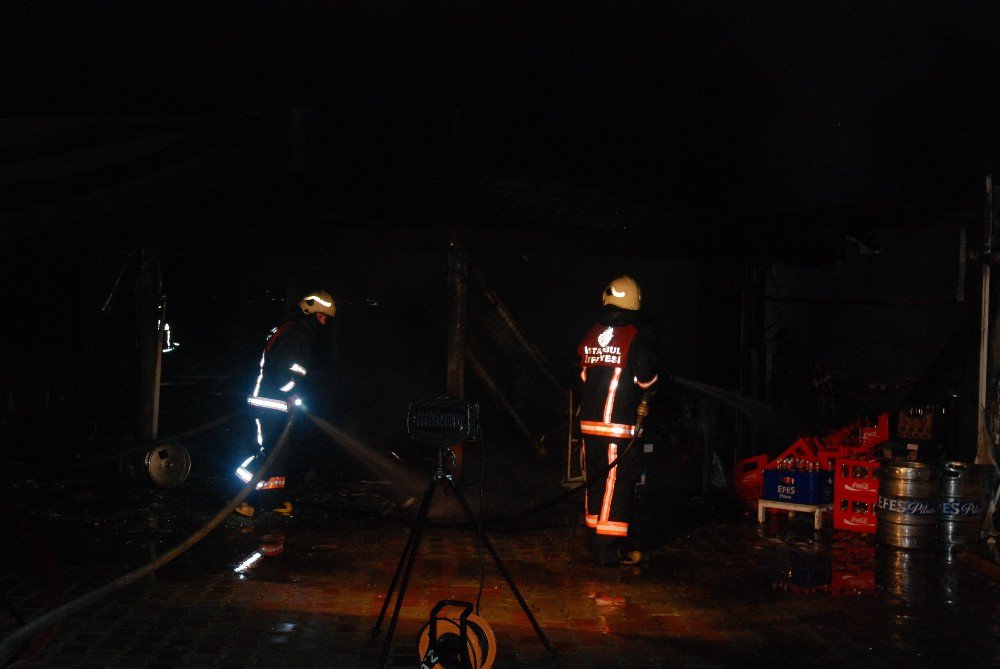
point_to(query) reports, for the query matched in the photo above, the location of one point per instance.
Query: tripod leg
(503, 569)
(421, 514)
(414, 543)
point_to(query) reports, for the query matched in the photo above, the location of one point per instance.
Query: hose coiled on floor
(12, 644)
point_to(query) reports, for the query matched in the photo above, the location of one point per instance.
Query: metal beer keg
(907, 504)
(164, 466)
(961, 506)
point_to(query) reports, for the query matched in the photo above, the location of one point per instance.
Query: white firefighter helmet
(318, 301)
(623, 293)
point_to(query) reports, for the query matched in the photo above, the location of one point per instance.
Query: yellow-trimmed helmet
(623, 293)
(318, 302)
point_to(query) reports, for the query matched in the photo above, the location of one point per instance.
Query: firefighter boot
(245, 509)
(631, 558)
(285, 509)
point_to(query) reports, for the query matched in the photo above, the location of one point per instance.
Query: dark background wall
(863, 334)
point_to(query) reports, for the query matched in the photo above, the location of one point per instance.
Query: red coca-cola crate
(859, 437)
(855, 476)
(845, 435)
(855, 493)
(855, 513)
(874, 431)
(748, 479)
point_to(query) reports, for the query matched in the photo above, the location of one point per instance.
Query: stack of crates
(755, 478)
(855, 493)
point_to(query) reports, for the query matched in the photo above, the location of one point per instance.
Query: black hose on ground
(13, 643)
(642, 412)
(146, 446)
(565, 495)
(532, 509)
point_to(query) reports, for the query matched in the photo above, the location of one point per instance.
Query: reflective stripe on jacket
(618, 363)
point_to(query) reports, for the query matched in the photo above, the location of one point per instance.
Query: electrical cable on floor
(569, 493)
(146, 446)
(549, 502)
(13, 642)
(479, 523)
(532, 509)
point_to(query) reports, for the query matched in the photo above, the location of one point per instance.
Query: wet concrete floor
(716, 589)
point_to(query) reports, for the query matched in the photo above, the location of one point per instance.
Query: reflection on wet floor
(715, 588)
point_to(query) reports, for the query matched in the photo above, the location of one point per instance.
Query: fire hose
(641, 412)
(12, 644)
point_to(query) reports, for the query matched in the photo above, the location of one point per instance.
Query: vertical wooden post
(150, 345)
(569, 439)
(456, 309)
(984, 449)
(751, 374)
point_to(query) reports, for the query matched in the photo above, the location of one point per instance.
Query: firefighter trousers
(267, 427)
(609, 501)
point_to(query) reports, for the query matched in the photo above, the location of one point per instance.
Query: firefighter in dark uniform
(284, 365)
(618, 367)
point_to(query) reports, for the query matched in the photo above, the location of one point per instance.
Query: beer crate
(920, 423)
(800, 487)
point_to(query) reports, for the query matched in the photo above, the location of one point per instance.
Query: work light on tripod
(443, 421)
(465, 639)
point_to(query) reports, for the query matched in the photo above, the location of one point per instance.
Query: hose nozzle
(641, 412)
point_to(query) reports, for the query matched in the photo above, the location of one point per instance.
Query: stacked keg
(921, 505)
(960, 511)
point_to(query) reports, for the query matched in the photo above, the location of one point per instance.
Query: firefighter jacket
(618, 364)
(284, 363)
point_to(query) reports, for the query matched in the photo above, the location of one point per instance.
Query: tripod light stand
(441, 422)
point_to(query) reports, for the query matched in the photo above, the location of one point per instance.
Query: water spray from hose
(750, 408)
(408, 483)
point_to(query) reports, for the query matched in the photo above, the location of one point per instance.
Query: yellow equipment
(320, 302)
(456, 638)
(624, 293)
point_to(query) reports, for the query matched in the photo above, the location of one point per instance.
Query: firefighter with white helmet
(618, 366)
(284, 365)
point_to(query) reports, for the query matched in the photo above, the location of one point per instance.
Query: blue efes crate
(799, 487)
